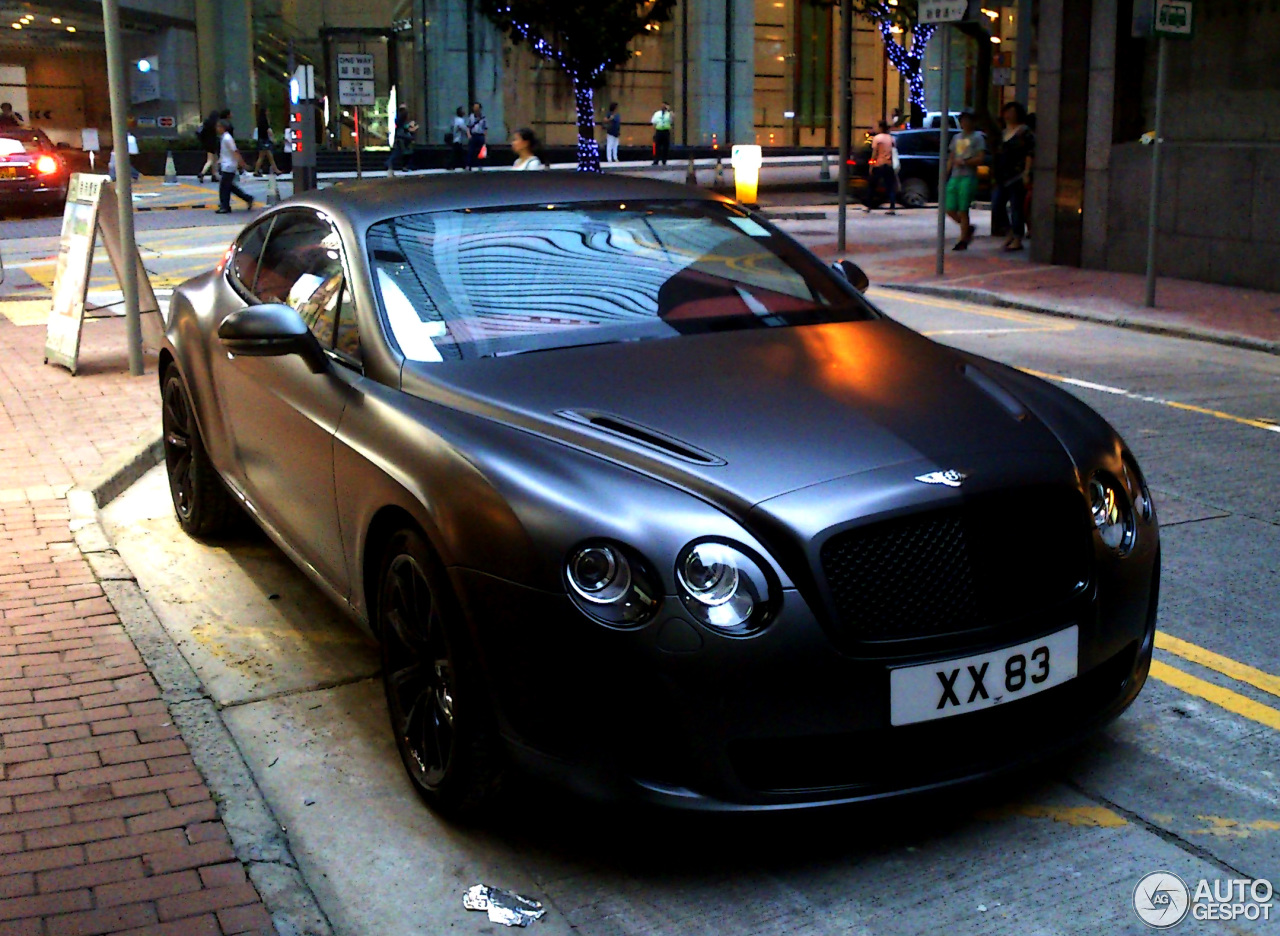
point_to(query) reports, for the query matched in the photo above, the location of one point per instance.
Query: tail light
(226, 260)
(47, 165)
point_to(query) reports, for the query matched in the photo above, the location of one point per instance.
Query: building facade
(1219, 213)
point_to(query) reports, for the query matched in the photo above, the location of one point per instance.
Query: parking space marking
(1161, 401)
(1241, 672)
(1038, 320)
(985, 311)
(996, 331)
(1218, 695)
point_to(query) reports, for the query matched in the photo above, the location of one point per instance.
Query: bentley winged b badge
(950, 477)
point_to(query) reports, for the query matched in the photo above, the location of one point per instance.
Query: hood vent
(988, 385)
(634, 432)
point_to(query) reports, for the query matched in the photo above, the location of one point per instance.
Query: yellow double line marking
(1211, 692)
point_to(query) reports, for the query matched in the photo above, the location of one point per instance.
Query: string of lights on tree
(908, 63)
(584, 83)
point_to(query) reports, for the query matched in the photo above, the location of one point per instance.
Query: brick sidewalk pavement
(105, 825)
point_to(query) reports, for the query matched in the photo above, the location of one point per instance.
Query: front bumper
(675, 715)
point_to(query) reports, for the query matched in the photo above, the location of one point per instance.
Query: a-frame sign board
(91, 210)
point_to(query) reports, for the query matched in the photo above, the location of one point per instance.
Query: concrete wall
(1219, 217)
(707, 80)
(446, 66)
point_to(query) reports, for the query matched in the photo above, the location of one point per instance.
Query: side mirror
(271, 330)
(853, 273)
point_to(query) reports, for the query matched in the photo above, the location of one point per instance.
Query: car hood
(756, 413)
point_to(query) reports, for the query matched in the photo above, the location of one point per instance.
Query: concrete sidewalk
(106, 826)
(898, 252)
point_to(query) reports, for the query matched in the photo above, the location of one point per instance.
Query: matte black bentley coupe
(638, 494)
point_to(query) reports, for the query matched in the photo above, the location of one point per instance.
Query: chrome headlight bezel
(626, 595)
(725, 586)
(1112, 512)
(1139, 493)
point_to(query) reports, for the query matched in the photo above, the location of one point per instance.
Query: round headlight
(722, 586)
(608, 585)
(599, 573)
(1112, 514)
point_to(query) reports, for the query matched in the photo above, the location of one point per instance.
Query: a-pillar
(224, 46)
(720, 83)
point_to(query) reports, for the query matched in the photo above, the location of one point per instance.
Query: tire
(202, 503)
(440, 717)
(914, 193)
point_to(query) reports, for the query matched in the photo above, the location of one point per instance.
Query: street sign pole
(359, 144)
(1153, 209)
(124, 180)
(944, 127)
(846, 119)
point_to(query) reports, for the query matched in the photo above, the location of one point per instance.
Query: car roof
(365, 203)
(22, 133)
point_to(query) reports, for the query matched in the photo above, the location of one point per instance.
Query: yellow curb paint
(1223, 698)
(1098, 817)
(1222, 827)
(27, 311)
(1214, 661)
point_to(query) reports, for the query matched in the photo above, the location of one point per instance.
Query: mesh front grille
(998, 558)
(903, 579)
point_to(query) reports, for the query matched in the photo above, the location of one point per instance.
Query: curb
(258, 839)
(1189, 332)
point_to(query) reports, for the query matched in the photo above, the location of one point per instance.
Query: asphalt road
(1187, 781)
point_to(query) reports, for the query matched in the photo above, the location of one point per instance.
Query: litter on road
(503, 906)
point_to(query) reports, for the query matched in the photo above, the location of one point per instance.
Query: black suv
(918, 168)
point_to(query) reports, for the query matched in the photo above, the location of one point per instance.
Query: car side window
(302, 268)
(248, 253)
(347, 340)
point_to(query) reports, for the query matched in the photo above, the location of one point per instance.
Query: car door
(282, 416)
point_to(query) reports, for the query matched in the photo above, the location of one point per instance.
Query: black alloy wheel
(201, 501)
(915, 193)
(441, 729)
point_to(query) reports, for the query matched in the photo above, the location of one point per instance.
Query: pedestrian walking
(883, 171)
(209, 139)
(968, 151)
(1013, 164)
(230, 162)
(897, 121)
(612, 133)
(9, 118)
(661, 121)
(477, 128)
(526, 146)
(266, 141)
(401, 141)
(458, 136)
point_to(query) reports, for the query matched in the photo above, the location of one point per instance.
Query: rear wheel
(203, 504)
(439, 715)
(915, 193)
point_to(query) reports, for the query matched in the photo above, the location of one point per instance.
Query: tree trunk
(588, 148)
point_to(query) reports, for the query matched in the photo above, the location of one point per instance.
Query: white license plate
(953, 687)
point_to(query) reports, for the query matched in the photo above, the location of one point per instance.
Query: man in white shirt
(230, 162)
(661, 121)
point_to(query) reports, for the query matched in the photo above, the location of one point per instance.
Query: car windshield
(486, 283)
(28, 141)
